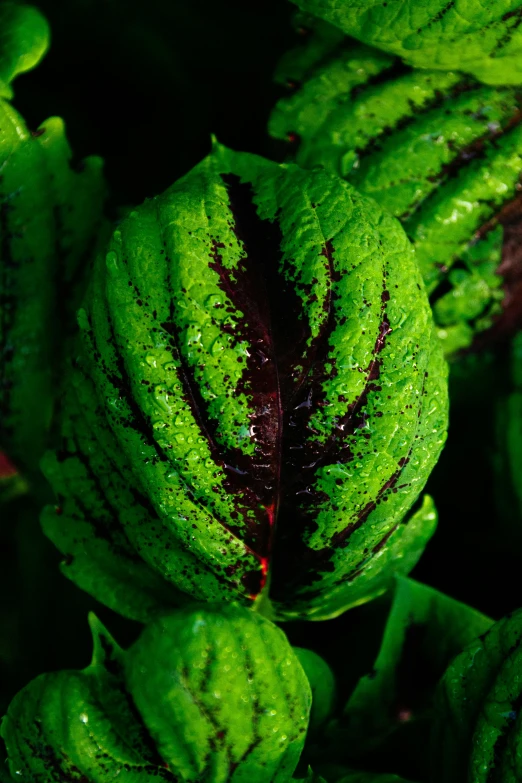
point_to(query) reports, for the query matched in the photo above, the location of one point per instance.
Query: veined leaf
(481, 38)
(437, 150)
(211, 693)
(258, 392)
(236, 698)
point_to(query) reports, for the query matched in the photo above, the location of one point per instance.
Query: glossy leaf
(478, 36)
(423, 632)
(50, 220)
(257, 392)
(211, 693)
(236, 699)
(24, 39)
(477, 736)
(439, 151)
(322, 683)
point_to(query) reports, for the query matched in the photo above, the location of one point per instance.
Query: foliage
(50, 220)
(256, 347)
(439, 151)
(242, 396)
(477, 734)
(211, 693)
(482, 38)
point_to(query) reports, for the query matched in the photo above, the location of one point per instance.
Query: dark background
(144, 84)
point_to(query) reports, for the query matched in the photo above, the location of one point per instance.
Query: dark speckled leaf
(229, 701)
(481, 37)
(211, 694)
(258, 392)
(439, 151)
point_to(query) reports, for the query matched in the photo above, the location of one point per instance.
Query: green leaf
(322, 683)
(483, 39)
(50, 220)
(71, 725)
(399, 554)
(477, 733)
(424, 630)
(440, 152)
(197, 442)
(230, 696)
(321, 39)
(210, 693)
(24, 39)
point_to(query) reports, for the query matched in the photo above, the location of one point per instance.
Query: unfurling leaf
(437, 150)
(210, 693)
(257, 400)
(481, 38)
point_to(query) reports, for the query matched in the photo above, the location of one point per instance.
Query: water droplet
(214, 300)
(151, 360)
(216, 347)
(193, 333)
(161, 398)
(159, 425)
